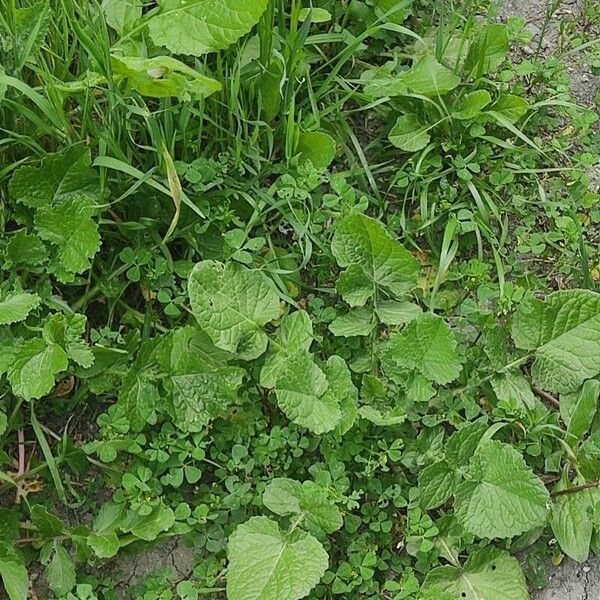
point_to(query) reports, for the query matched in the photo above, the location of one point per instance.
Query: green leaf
(149, 527)
(47, 525)
(104, 545)
(571, 523)
(463, 442)
(122, 15)
(358, 321)
(579, 408)
(318, 147)
(393, 312)
(69, 226)
(382, 418)
(501, 497)
(488, 574)
(564, 332)
(163, 76)
(472, 104)
(342, 390)
(437, 483)
(316, 15)
(199, 380)
(512, 108)
(289, 497)
(60, 572)
(427, 77)
(232, 304)
(488, 50)
(200, 26)
(373, 257)
(300, 389)
(408, 134)
(23, 248)
(13, 573)
(295, 334)
(280, 566)
(426, 345)
(34, 367)
(512, 385)
(15, 306)
(56, 178)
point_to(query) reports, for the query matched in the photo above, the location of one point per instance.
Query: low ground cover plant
(310, 290)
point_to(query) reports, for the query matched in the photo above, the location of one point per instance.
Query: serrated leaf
(265, 564)
(437, 483)
(564, 332)
(301, 394)
(289, 497)
(200, 26)
(579, 408)
(488, 574)
(426, 345)
(30, 26)
(318, 147)
(382, 418)
(13, 573)
(356, 322)
(163, 76)
(60, 572)
(23, 248)
(34, 366)
(501, 497)
(409, 134)
(69, 226)
(462, 444)
(15, 306)
(372, 255)
(47, 525)
(232, 304)
(56, 178)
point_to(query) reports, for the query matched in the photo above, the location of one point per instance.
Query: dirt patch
(572, 581)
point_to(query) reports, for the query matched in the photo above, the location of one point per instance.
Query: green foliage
(311, 290)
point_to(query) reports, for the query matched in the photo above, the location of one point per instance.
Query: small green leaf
(281, 566)
(426, 345)
(393, 312)
(437, 483)
(318, 147)
(122, 15)
(512, 108)
(408, 134)
(579, 408)
(488, 50)
(13, 573)
(513, 385)
(104, 545)
(472, 104)
(60, 572)
(316, 15)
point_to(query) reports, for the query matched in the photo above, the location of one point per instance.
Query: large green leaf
(488, 574)
(301, 388)
(200, 382)
(200, 26)
(55, 178)
(501, 497)
(488, 50)
(564, 332)
(374, 259)
(289, 497)
(163, 76)
(232, 304)
(266, 564)
(426, 345)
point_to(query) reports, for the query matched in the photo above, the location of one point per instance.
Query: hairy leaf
(15, 306)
